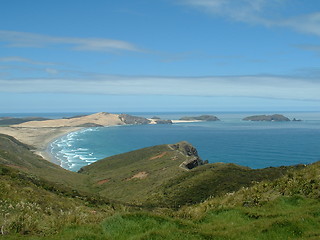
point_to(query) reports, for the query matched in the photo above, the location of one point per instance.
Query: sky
(159, 55)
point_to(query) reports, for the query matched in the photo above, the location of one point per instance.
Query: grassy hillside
(39, 200)
(18, 155)
(211, 180)
(155, 176)
(33, 206)
(292, 214)
(133, 176)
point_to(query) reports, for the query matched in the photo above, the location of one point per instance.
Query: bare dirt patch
(158, 156)
(103, 181)
(139, 175)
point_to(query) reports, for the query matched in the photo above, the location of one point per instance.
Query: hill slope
(134, 175)
(170, 176)
(40, 203)
(17, 155)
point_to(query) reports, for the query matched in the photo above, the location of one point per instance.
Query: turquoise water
(253, 144)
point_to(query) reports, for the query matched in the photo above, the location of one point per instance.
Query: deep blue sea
(252, 144)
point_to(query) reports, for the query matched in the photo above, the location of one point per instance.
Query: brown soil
(139, 175)
(103, 181)
(158, 156)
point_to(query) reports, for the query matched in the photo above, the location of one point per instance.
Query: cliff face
(274, 117)
(191, 152)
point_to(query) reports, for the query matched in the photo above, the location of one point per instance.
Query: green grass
(160, 163)
(211, 180)
(32, 206)
(285, 218)
(39, 200)
(18, 155)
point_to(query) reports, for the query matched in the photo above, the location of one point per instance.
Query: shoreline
(39, 138)
(186, 121)
(47, 154)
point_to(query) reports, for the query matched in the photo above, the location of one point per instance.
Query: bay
(252, 144)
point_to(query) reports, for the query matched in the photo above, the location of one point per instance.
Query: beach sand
(39, 134)
(38, 138)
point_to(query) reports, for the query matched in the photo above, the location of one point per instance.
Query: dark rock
(202, 118)
(296, 120)
(161, 121)
(190, 151)
(128, 119)
(185, 148)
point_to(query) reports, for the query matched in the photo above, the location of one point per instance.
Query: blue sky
(161, 55)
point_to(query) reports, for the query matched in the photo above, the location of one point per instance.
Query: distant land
(39, 132)
(274, 117)
(12, 120)
(201, 118)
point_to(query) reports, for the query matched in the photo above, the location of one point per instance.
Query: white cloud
(23, 39)
(23, 60)
(52, 71)
(309, 23)
(237, 86)
(240, 10)
(262, 12)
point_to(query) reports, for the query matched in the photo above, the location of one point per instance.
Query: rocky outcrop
(191, 152)
(296, 120)
(274, 117)
(201, 118)
(128, 119)
(162, 121)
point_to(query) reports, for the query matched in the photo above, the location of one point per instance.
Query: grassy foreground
(273, 203)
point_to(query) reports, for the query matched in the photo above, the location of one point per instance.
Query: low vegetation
(213, 201)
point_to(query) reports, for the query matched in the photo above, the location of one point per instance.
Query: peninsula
(39, 133)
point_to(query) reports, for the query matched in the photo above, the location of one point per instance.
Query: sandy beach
(38, 138)
(185, 121)
(39, 134)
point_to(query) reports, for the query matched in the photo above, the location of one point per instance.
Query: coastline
(39, 138)
(40, 135)
(47, 154)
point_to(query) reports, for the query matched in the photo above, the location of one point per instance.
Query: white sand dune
(104, 119)
(39, 134)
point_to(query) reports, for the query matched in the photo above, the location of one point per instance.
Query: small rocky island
(201, 118)
(274, 117)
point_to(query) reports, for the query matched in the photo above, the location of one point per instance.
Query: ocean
(231, 140)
